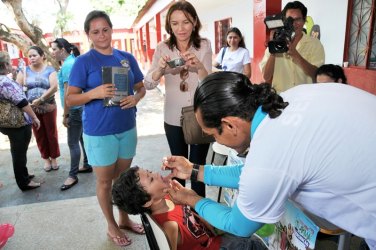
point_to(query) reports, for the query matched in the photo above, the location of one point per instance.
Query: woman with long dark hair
(65, 53)
(234, 56)
(183, 26)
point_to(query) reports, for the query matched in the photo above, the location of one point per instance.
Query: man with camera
(292, 57)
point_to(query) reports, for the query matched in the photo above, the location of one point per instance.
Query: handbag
(193, 133)
(219, 66)
(47, 106)
(11, 116)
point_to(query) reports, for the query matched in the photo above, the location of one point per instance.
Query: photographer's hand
(160, 70)
(271, 34)
(297, 58)
(292, 52)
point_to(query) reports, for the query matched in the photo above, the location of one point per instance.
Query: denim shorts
(103, 151)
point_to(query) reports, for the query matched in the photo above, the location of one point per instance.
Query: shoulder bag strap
(223, 53)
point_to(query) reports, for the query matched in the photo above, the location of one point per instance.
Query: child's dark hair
(128, 194)
(333, 71)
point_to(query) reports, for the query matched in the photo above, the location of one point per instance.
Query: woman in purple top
(19, 138)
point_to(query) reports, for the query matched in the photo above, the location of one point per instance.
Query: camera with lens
(284, 32)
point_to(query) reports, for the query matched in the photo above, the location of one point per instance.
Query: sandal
(55, 167)
(136, 228)
(120, 241)
(47, 168)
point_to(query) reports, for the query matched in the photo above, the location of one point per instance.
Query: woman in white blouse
(235, 57)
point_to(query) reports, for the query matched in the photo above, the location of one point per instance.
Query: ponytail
(227, 93)
(69, 48)
(74, 50)
(266, 97)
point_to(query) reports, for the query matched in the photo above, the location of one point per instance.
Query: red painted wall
(362, 78)
(261, 9)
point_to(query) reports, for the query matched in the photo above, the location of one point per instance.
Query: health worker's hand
(180, 167)
(182, 195)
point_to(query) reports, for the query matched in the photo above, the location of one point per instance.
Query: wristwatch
(195, 171)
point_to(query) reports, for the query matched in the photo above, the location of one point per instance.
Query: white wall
(155, 8)
(331, 16)
(241, 12)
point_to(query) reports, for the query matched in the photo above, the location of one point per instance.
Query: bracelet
(41, 99)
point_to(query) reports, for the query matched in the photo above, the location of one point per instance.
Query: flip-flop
(137, 228)
(55, 167)
(47, 169)
(120, 241)
(6, 231)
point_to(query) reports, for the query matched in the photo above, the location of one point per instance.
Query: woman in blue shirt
(110, 133)
(65, 53)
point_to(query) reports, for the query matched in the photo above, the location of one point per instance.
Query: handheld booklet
(119, 77)
(294, 231)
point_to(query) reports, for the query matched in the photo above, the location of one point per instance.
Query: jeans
(230, 242)
(19, 139)
(197, 153)
(74, 140)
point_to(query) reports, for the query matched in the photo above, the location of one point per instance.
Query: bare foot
(118, 237)
(54, 164)
(133, 226)
(33, 184)
(47, 165)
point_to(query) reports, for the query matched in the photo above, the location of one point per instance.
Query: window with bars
(361, 34)
(221, 27)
